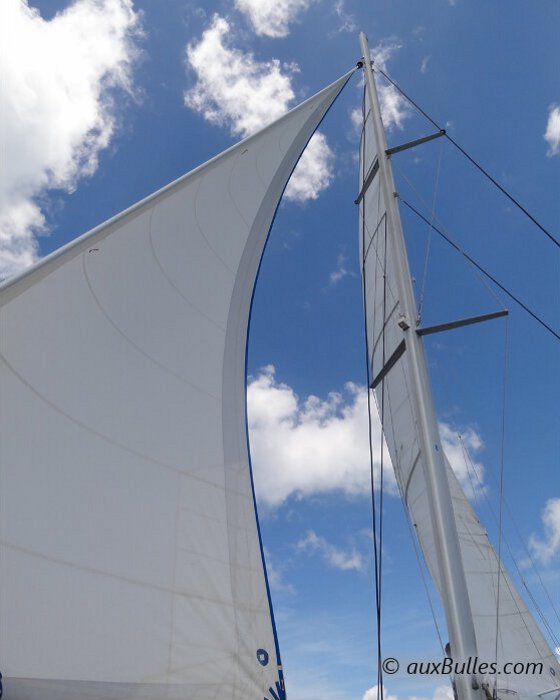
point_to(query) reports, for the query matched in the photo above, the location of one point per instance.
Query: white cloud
(336, 558)
(56, 106)
(272, 17)
(375, 694)
(441, 692)
(315, 446)
(544, 549)
(552, 133)
(357, 119)
(460, 448)
(300, 448)
(234, 89)
(275, 574)
(424, 65)
(394, 108)
(314, 172)
(347, 21)
(341, 270)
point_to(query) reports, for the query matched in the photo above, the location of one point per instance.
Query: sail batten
(127, 513)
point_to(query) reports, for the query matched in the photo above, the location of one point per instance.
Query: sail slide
(519, 637)
(131, 563)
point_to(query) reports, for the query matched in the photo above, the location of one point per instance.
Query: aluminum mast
(454, 590)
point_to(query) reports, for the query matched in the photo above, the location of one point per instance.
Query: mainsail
(388, 327)
(131, 563)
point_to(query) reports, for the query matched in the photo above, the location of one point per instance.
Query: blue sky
(107, 101)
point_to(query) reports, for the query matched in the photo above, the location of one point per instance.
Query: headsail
(520, 639)
(131, 561)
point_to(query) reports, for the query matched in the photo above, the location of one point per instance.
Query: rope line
(537, 573)
(476, 164)
(370, 443)
(377, 507)
(414, 538)
(501, 491)
(381, 455)
(554, 638)
(479, 494)
(484, 272)
(429, 239)
(493, 293)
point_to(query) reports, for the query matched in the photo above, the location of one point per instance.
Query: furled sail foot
(132, 567)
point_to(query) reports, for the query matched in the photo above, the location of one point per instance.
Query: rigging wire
(546, 624)
(480, 276)
(484, 273)
(487, 275)
(501, 492)
(472, 160)
(414, 538)
(458, 248)
(370, 445)
(382, 450)
(429, 240)
(376, 558)
(481, 493)
(538, 574)
(554, 638)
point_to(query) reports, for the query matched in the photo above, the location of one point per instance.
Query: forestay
(131, 565)
(519, 639)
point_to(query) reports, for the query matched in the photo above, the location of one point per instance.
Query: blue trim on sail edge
(274, 631)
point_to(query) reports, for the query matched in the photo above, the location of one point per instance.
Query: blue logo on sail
(262, 657)
(279, 691)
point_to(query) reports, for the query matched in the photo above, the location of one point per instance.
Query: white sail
(520, 639)
(131, 565)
